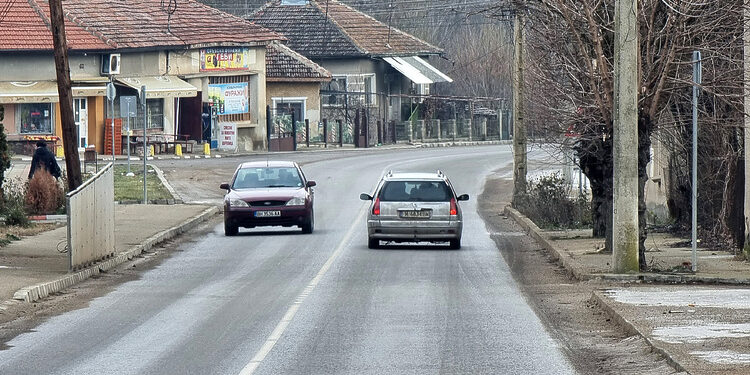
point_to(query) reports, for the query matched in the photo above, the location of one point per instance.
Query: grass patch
(131, 188)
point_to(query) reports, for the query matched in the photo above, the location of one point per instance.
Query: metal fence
(91, 219)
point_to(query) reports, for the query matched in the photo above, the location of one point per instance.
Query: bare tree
(570, 89)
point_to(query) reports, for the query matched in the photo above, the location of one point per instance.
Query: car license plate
(267, 213)
(415, 214)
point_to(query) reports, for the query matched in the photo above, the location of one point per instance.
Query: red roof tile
(126, 24)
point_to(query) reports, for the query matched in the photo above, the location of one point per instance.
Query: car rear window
(268, 177)
(415, 191)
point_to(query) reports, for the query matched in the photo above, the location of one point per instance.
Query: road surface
(275, 301)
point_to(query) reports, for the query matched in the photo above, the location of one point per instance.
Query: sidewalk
(32, 267)
(700, 322)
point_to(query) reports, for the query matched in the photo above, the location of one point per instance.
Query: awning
(161, 86)
(88, 90)
(417, 70)
(28, 92)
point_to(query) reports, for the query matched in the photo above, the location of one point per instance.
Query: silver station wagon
(414, 207)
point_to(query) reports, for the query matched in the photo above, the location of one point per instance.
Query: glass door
(80, 114)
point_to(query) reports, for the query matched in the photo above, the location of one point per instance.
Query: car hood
(267, 193)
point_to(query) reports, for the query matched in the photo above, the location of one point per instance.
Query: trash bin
(89, 157)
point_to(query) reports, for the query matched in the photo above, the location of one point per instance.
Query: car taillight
(376, 207)
(454, 208)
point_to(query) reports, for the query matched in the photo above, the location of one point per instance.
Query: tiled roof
(127, 24)
(285, 65)
(25, 26)
(332, 29)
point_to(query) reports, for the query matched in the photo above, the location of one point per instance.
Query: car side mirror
(365, 197)
(224, 186)
(311, 184)
(463, 197)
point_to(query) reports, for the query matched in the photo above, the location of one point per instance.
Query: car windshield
(415, 191)
(268, 177)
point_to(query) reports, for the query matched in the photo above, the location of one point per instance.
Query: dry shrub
(44, 194)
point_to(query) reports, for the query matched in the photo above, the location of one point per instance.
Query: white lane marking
(284, 323)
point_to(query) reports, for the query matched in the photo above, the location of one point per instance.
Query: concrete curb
(605, 304)
(533, 230)
(159, 173)
(567, 262)
(36, 292)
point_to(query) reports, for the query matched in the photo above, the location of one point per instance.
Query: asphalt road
(274, 301)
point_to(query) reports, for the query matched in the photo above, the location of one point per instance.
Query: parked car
(414, 207)
(268, 193)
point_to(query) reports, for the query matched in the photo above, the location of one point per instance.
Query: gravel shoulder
(593, 342)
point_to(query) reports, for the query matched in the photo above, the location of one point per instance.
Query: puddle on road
(723, 357)
(718, 298)
(699, 331)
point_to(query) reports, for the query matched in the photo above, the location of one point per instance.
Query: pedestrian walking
(43, 157)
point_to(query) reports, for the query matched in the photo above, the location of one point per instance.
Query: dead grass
(10, 233)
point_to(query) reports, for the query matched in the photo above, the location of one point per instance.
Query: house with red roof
(372, 64)
(203, 70)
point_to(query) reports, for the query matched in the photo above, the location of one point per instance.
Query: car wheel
(230, 229)
(309, 224)
(455, 244)
(373, 243)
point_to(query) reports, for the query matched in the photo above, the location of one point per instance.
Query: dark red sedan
(268, 193)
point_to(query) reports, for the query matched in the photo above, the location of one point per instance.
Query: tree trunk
(644, 157)
(595, 155)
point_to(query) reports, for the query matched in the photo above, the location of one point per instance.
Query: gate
(282, 129)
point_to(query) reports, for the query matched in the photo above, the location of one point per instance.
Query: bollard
(178, 150)
(206, 149)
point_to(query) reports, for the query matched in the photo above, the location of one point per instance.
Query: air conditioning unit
(111, 64)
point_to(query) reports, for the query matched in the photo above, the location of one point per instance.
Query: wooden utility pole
(519, 128)
(625, 230)
(70, 145)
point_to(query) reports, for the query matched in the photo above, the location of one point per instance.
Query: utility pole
(69, 136)
(519, 128)
(625, 230)
(746, 131)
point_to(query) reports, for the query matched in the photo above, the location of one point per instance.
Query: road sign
(128, 106)
(111, 92)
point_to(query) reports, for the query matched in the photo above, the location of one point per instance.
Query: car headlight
(296, 201)
(234, 202)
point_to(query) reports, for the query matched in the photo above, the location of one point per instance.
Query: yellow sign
(230, 58)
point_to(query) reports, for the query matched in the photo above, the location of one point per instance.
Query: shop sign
(227, 136)
(222, 59)
(229, 98)
(47, 138)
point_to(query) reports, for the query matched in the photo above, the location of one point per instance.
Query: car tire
(455, 244)
(230, 229)
(373, 243)
(309, 224)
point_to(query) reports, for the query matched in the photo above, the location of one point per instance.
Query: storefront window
(34, 118)
(154, 115)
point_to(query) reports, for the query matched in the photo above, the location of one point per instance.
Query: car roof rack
(440, 173)
(389, 173)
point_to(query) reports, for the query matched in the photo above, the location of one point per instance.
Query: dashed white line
(284, 323)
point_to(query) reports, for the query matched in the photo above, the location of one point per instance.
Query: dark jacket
(43, 157)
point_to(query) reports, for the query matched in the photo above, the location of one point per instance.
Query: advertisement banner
(223, 59)
(229, 98)
(227, 136)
